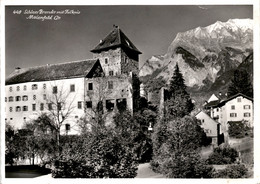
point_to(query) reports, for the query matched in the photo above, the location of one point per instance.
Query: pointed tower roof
(116, 38)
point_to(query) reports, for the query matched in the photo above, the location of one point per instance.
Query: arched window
(11, 99)
(18, 98)
(25, 98)
(18, 108)
(34, 87)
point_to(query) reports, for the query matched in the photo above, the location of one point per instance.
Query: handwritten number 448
(17, 11)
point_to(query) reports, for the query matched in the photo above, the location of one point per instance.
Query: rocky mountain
(204, 54)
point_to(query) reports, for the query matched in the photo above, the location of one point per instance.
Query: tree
(59, 105)
(179, 102)
(176, 149)
(135, 130)
(238, 129)
(40, 142)
(105, 153)
(225, 155)
(240, 83)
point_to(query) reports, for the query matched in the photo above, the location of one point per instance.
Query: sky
(31, 42)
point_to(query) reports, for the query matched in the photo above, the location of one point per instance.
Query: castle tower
(117, 54)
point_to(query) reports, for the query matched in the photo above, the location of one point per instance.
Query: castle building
(73, 90)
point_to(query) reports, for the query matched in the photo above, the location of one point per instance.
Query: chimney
(17, 68)
(115, 26)
(100, 41)
(220, 93)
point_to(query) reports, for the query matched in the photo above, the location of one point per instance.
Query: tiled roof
(116, 38)
(232, 97)
(212, 104)
(51, 72)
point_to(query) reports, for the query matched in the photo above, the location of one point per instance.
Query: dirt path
(145, 172)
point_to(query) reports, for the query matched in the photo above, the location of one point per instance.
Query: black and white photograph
(128, 91)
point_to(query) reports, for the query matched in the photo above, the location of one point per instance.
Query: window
(25, 98)
(50, 106)
(110, 84)
(202, 120)
(106, 60)
(41, 106)
(247, 114)
(44, 97)
(246, 106)
(34, 87)
(111, 73)
(10, 89)
(24, 87)
(72, 88)
(238, 99)
(79, 105)
(5, 99)
(34, 97)
(10, 109)
(11, 99)
(67, 127)
(25, 108)
(59, 106)
(44, 86)
(121, 104)
(55, 90)
(89, 104)
(233, 114)
(34, 107)
(18, 109)
(232, 107)
(18, 98)
(17, 88)
(109, 105)
(90, 86)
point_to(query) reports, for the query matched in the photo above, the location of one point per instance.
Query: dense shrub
(238, 129)
(232, 171)
(224, 155)
(99, 155)
(176, 150)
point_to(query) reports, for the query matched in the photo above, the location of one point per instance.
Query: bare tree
(94, 113)
(58, 107)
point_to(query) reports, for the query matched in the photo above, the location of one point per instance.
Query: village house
(210, 126)
(236, 108)
(76, 89)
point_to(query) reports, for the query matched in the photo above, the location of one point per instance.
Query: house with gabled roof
(106, 81)
(210, 126)
(238, 107)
